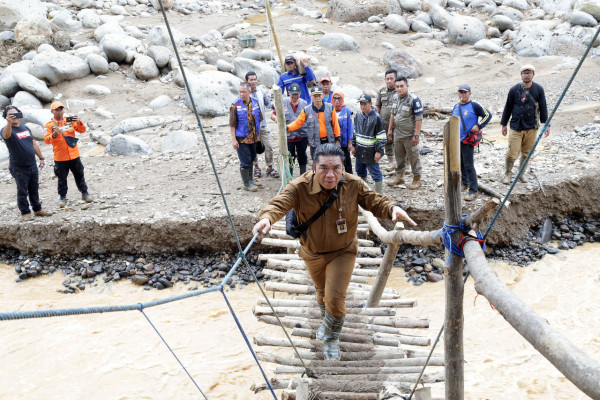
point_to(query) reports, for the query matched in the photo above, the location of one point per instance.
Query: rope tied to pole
(465, 236)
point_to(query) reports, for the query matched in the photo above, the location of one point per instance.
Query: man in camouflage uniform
(383, 105)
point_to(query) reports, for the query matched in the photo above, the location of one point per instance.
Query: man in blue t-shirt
(470, 113)
(293, 76)
(22, 150)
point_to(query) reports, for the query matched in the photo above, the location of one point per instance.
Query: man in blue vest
(469, 113)
(297, 140)
(244, 125)
(293, 76)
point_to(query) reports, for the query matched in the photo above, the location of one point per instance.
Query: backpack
(472, 139)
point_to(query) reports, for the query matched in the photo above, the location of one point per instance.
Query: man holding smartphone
(60, 132)
(22, 150)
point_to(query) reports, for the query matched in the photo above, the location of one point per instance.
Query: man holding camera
(60, 132)
(22, 150)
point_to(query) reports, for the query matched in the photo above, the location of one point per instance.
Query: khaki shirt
(384, 101)
(406, 111)
(305, 195)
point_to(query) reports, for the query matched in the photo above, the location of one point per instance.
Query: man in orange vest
(60, 132)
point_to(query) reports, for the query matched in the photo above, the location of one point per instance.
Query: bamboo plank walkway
(381, 348)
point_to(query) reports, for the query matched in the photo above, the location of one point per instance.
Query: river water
(119, 356)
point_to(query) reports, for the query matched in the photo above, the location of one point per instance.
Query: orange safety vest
(62, 151)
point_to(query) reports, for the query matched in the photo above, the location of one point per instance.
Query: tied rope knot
(457, 248)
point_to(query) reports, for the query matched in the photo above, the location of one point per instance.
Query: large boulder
(159, 36)
(339, 41)
(8, 84)
(145, 68)
(37, 116)
(34, 86)
(83, 3)
(138, 123)
(397, 23)
(486, 6)
(30, 32)
(160, 54)
(591, 7)
(64, 20)
(98, 64)
(267, 75)
(105, 29)
(503, 22)
(583, 19)
(439, 16)
(25, 99)
(213, 92)
(466, 30)
(89, 18)
(518, 4)
(58, 67)
(352, 10)
(177, 141)
(403, 63)
(116, 46)
(553, 6)
(488, 45)
(12, 11)
(420, 26)
(125, 145)
(509, 12)
(411, 5)
(533, 40)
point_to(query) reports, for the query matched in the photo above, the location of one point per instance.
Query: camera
(18, 115)
(70, 119)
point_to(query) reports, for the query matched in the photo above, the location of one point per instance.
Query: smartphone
(69, 119)
(18, 115)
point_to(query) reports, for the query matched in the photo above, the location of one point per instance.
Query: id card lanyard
(341, 223)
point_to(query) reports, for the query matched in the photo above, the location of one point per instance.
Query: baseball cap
(316, 90)
(464, 88)
(527, 67)
(290, 59)
(294, 88)
(325, 78)
(365, 98)
(56, 105)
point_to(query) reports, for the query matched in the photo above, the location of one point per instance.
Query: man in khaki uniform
(405, 130)
(383, 105)
(330, 244)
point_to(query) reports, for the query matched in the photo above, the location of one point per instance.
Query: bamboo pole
(579, 368)
(400, 303)
(268, 7)
(348, 337)
(357, 296)
(371, 363)
(351, 387)
(357, 356)
(309, 289)
(384, 271)
(375, 327)
(281, 125)
(453, 324)
(302, 275)
(315, 312)
(295, 244)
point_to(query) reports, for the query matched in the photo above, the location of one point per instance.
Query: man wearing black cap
(297, 140)
(293, 76)
(525, 103)
(321, 121)
(369, 142)
(469, 113)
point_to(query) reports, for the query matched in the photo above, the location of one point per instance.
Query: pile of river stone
(149, 271)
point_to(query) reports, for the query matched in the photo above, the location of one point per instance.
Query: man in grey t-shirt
(405, 130)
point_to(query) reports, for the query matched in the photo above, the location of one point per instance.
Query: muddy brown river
(119, 356)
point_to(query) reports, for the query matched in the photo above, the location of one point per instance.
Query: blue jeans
(298, 152)
(27, 186)
(467, 167)
(247, 154)
(361, 170)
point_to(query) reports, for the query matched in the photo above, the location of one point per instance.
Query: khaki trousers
(331, 273)
(265, 138)
(405, 151)
(520, 142)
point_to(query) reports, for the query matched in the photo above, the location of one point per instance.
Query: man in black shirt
(525, 106)
(22, 150)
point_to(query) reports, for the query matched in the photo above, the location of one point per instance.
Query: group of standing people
(60, 133)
